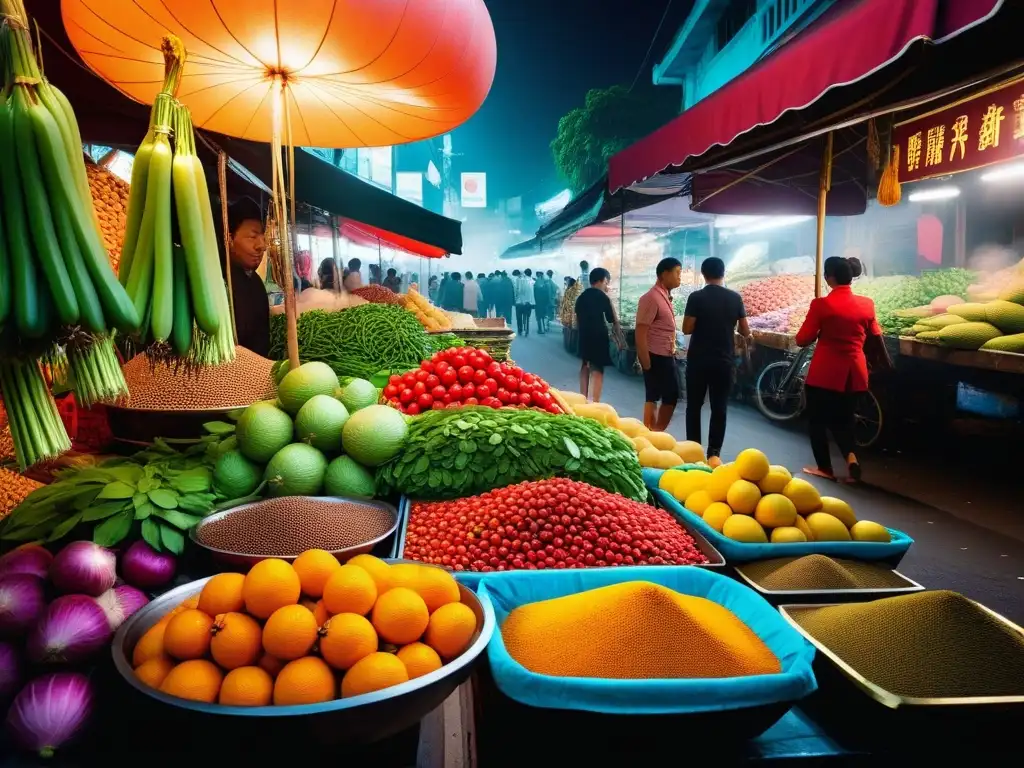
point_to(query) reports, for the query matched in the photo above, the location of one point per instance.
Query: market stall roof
(850, 56)
(525, 249)
(108, 117)
(596, 205)
(372, 237)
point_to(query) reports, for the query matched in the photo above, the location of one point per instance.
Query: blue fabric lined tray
(742, 552)
(649, 697)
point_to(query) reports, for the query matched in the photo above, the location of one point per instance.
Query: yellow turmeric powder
(634, 630)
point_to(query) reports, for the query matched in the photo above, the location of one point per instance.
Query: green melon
(1006, 316)
(319, 423)
(305, 382)
(941, 321)
(358, 394)
(347, 478)
(374, 435)
(967, 335)
(296, 470)
(1012, 343)
(235, 476)
(262, 431)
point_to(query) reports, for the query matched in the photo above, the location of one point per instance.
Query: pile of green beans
(359, 341)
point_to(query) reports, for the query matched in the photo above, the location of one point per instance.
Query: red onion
(28, 558)
(49, 711)
(84, 567)
(144, 567)
(72, 629)
(22, 600)
(119, 603)
(10, 671)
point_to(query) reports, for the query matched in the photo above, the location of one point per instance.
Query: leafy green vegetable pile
(358, 341)
(947, 282)
(456, 453)
(156, 495)
(439, 342)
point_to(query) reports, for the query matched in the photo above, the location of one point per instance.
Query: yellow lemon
(744, 528)
(827, 528)
(787, 534)
(689, 483)
(641, 443)
(805, 497)
(650, 457)
(775, 511)
(669, 459)
(839, 509)
(669, 480)
(752, 465)
(663, 441)
(776, 479)
(716, 514)
(698, 501)
(803, 527)
(690, 451)
(632, 427)
(743, 497)
(721, 480)
(865, 530)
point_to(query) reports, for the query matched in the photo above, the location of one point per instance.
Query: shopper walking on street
(524, 301)
(504, 297)
(452, 297)
(594, 311)
(712, 317)
(556, 295)
(471, 296)
(656, 346)
(542, 297)
(842, 324)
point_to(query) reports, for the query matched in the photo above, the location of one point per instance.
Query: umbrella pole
(825, 183)
(222, 183)
(286, 226)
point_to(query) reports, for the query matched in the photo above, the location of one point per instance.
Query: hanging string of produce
(169, 262)
(59, 297)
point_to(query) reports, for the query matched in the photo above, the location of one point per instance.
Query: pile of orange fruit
(306, 632)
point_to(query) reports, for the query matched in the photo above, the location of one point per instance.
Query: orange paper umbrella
(354, 73)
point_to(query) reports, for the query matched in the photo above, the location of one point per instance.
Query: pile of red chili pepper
(467, 376)
(378, 294)
(553, 523)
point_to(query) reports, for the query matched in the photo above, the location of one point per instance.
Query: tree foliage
(610, 120)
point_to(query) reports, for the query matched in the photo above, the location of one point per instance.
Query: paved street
(967, 536)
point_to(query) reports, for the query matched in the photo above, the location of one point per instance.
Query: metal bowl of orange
(362, 719)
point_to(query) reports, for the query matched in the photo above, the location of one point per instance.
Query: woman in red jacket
(840, 323)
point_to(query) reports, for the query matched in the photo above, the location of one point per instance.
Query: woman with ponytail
(840, 323)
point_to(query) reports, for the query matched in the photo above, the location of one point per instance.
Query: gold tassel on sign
(889, 193)
(874, 145)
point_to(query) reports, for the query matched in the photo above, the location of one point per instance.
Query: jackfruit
(1013, 343)
(1006, 316)
(940, 321)
(967, 335)
(971, 311)
(1014, 293)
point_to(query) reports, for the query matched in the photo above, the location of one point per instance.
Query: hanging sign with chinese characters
(973, 133)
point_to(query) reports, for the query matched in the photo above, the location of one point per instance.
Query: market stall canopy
(374, 237)
(596, 205)
(354, 74)
(108, 117)
(526, 249)
(856, 53)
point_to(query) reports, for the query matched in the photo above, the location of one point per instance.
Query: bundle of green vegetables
(155, 495)
(59, 298)
(358, 341)
(456, 453)
(176, 287)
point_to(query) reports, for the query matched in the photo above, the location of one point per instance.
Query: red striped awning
(840, 49)
(370, 237)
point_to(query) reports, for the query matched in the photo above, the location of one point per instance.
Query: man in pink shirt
(656, 346)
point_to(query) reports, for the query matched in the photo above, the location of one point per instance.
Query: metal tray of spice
(285, 527)
(915, 665)
(814, 578)
(714, 557)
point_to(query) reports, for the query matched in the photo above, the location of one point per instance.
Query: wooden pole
(824, 185)
(222, 187)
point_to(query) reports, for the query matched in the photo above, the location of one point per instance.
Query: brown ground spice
(924, 645)
(292, 524)
(785, 574)
(241, 382)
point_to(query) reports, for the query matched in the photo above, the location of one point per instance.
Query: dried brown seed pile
(13, 490)
(164, 387)
(110, 199)
(786, 574)
(292, 524)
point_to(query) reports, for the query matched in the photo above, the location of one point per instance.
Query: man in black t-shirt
(713, 316)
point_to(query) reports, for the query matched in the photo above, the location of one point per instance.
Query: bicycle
(779, 396)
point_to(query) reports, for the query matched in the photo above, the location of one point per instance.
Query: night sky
(550, 53)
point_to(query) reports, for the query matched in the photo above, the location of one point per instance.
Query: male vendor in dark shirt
(252, 307)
